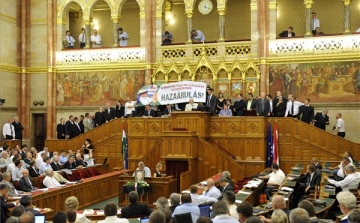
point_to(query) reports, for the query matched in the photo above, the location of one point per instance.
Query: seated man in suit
(6, 178)
(288, 33)
(26, 202)
(70, 164)
(79, 161)
(187, 207)
(55, 164)
(4, 192)
(174, 201)
(135, 208)
(316, 164)
(224, 186)
(168, 109)
(25, 183)
(305, 183)
(33, 171)
(149, 112)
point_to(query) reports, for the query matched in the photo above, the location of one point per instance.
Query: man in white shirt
(4, 160)
(123, 37)
(351, 181)
(276, 178)
(197, 35)
(46, 151)
(16, 172)
(211, 190)
(292, 107)
(82, 38)
(45, 165)
(339, 126)
(141, 166)
(70, 40)
(49, 180)
(191, 105)
(8, 130)
(199, 198)
(229, 197)
(129, 107)
(315, 22)
(96, 39)
(111, 212)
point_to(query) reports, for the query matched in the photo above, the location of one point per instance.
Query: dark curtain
(175, 168)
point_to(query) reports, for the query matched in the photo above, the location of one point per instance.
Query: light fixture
(169, 17)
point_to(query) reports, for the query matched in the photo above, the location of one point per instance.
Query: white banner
(181, 92)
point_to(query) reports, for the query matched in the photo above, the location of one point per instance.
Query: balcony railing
(100, 56)
(315, 45)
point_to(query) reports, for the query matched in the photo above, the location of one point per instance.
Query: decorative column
(149, 39)
(347, 16)
(87, 32)
(189, 15)
(23, 40)
(272, 19)
(308, 6)
(115, 20)
(221, 25)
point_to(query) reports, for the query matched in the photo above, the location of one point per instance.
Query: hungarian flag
(270, 147)
(275, 146)
(125, 149)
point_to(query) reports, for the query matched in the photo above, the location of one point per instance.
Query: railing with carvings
(221, 49)
(315, 45)
(100, 56)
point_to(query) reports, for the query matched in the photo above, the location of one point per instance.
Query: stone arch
(91, 4)
(118, 4)
(64, 5)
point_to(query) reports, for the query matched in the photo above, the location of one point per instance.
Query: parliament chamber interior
(72, 108)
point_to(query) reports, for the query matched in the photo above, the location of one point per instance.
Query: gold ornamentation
(308, 4)
(272, 5)
(347, 2)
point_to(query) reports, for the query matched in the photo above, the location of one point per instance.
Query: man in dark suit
(224, 186)
(109, 113)
(316, 164)
(26, 202)
(251, 102)
(119, 110)
(79, 161)
(70, 164)
(76, 130)
(25, 183)
(306, 112)
(167, 110)
(55, 164)
(81, 124)
(262, 106)
(18, 128)
(69, 127)
(135, 208)
(239, 106)
(4, 192)
(288, 33)
(149, 112)
(33, 172)
(321, 119)
(211, 102)
(23, 151)
(276, 101)
(60, 129)
(99, 117)
(305, 183)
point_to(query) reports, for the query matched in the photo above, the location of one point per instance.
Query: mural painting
(97, 88)
(320, 82)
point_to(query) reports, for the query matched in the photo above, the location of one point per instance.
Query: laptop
(144, 219)
(40, 219)
(205, 210)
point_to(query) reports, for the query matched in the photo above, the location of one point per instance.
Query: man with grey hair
(162, 203)
(27, 217)
(321, 119)
(299, 215)
(351, 181)
(6, 178)
(141, 166)
(157, 217)
(211, 190)
(174, 201)
(354, 216)
(224, 186)
(221, 213)
(226, 174)
(4, 160)
(347, 203)
(49, 180)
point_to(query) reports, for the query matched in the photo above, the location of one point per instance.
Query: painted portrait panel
(97, 88)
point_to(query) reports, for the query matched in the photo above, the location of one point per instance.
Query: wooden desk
(91, 191)
(161, 186)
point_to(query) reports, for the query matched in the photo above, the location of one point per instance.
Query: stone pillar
(115, 20)
(272, 19)
(308, 6)
(263, 27)
(24, 84)
(150, 10)
(347, 16)
(50, 116)
(87, 32)
(189, 25)
(221, 25)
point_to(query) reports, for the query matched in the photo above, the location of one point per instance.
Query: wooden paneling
(186, 180)
(192, 121)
